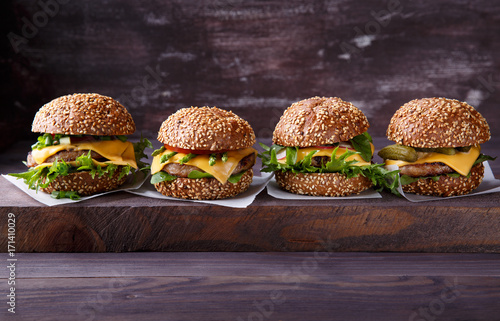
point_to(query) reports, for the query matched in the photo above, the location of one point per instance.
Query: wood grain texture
(252, 286)
(253, 264)
(122, 222)
(254, 57)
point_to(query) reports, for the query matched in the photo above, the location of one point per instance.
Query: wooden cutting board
(121, 222)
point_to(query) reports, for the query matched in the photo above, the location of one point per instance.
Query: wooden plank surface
(122, 222)
(254, 286)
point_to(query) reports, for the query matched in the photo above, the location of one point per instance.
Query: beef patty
(427, 169)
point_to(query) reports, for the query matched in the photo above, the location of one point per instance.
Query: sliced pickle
(400, 152)
(441, 150)
(465, 149)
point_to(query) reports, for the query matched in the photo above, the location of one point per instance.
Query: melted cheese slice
(221, 170)
(303, 152)
(460, 162)
(118, 152)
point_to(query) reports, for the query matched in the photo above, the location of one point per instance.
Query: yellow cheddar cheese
(118, 152)
(221, 170)
(461, 162)
(303, 152)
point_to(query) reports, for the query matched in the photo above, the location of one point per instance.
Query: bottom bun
(446, 185)
(322, 184)
(84, 184)
(204, 188)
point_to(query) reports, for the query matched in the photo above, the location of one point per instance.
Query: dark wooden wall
(253, 57)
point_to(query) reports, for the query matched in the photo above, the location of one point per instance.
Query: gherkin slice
(441, 150)
(464, 149)
(399, 152)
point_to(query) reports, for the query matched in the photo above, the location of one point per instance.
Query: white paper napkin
(488, 185)
(130, 184)
(240, 201)
(275, 191)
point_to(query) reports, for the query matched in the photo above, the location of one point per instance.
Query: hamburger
(82, 148)
(321, 147)
(206, 154)
(437, 146)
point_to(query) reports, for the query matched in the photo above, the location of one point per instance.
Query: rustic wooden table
(254, 286)
(328, 260)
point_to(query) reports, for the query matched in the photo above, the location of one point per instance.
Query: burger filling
(184, 171)
(321, 155)
(170, 163)
(56, 154)
(416, 163)
(65, 155)
(351, 158)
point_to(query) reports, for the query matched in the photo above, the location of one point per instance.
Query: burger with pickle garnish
(437, 146)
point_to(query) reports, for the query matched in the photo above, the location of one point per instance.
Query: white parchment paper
(240, 201)
(46, 199)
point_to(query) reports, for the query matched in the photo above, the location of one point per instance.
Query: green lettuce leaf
(482, 158)
(162, 177)
(139, 148)
(233, 179)
(41, 177)
(64, 194)
(361, 143)
(197, 174)
(380, 177)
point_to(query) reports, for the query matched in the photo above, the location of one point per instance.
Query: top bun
(438, 122)
(319, 121)
(84, 114)
(205, 128)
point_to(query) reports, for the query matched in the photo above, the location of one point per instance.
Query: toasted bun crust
(438, 122)
(321, 184)
(84, 114)
(319, 121)
(204, 188)
(205, 128)
(84, 184)
(447, 186)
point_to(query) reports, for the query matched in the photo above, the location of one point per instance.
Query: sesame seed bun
(447, 186)
(84, 114)
(206, 128)
(84, 184)
(319, 121)
(438, 122)
(204, 188)
(321, 184)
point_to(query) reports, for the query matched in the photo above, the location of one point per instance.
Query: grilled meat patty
(427, 169)
(66, 155)
(319, 161)
(184, 170)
